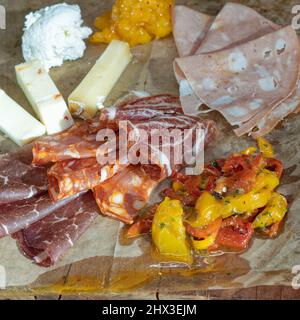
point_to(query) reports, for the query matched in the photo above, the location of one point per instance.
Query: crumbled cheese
(54, 34)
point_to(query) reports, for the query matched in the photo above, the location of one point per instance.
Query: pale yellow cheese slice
(91, 93)
(44, 97)
(19, 125)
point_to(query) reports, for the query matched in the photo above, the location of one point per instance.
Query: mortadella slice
(235, 24)
(189, 29)
(270, 120)
(46, 241)
(246, 82)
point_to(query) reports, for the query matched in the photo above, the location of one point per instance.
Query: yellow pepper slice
(266, 179)
(168, 231)
(274, 211)
(246, 202)
(265, 147)
(249, 151)
(205, 243)
(208, 209)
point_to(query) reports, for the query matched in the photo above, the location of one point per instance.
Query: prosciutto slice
(18, 179)
(46, 241)
(240, 81)
(20, 215)
(142, 109)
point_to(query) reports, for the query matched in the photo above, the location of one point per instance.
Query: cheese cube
(44, 96)
(19, 125)
(91, 93)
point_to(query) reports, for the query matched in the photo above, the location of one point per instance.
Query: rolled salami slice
(46, 241)
(20, 180)
(69, 177)
(77, 142)
(126, 193)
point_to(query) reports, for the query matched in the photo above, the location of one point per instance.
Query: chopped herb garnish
(214, 164)
(162, 225)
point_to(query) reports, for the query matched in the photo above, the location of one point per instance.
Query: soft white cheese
(19, 125)
(91, 93)
(54, 34)
(44, 97)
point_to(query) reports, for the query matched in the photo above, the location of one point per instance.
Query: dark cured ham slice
(46, 241)
(20, 215)
(189, 29)
(244, 83)
(18, 179)
(125, 194)
(77, 142)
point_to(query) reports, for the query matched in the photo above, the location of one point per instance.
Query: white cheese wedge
(91, 93)
(44, 97)
(19, 125)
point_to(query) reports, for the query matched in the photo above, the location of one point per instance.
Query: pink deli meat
(189, 29)
(47, 241)
(244, 83)
(233, 26)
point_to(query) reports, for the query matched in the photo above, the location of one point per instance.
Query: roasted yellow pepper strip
(266, 179)
(205, 243)
(208, 209)
(246, 202)
(274, 211)
(168, 231)
(265, 147)
(177, 186)
(249, 151)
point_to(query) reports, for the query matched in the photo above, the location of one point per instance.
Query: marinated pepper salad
(219, 210)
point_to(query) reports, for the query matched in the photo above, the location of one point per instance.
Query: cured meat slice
(21, 214)
(243, 81)
(235, 24)
(19, 180)
(69, 177)
(140, 110)
(189, 29)
(270, 120)
(126, 193)
(77, 142)
(80, 141)
(47, 240)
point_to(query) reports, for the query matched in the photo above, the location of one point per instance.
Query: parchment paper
(101, 261)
